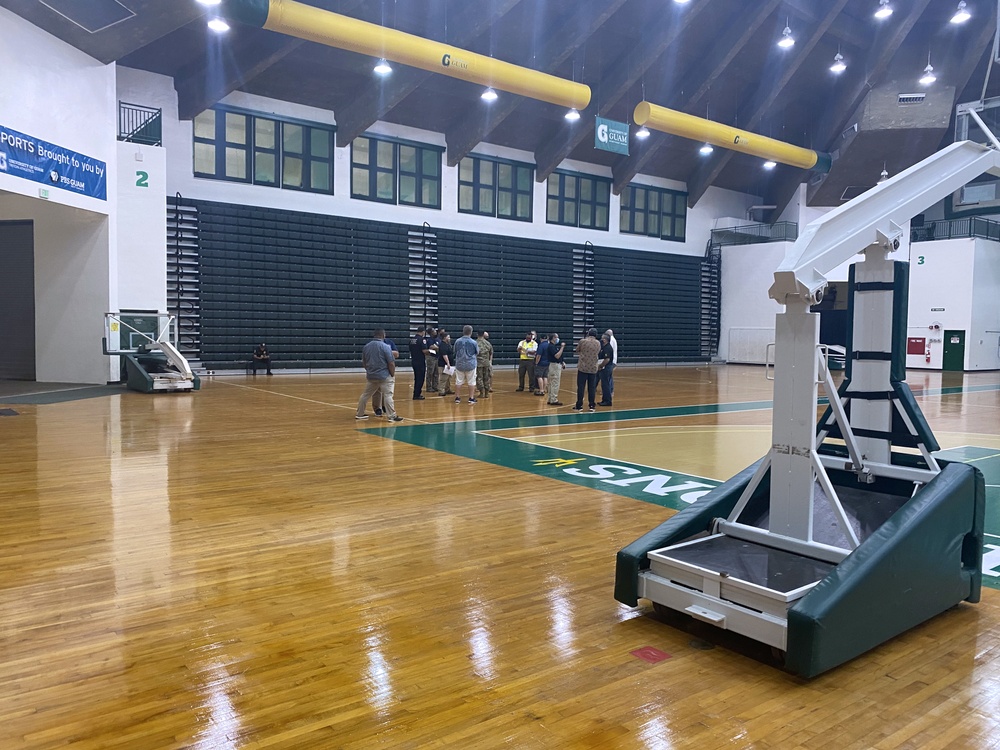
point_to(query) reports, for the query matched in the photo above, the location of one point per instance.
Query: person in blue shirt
(543, 356)
(377, 396)
(466, 354)
(380, 371)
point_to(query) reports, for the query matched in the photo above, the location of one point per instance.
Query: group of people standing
(437, 363)
(596, 359)
(542, 362)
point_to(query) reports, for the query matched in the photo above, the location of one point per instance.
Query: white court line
(995, 536)
(42, 393)
(636, 419)
(616, 461)
(312, 400)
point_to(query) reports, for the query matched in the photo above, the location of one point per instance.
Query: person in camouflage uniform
(484, 365)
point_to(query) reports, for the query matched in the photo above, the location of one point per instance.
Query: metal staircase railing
(183, 282)
(423, 277)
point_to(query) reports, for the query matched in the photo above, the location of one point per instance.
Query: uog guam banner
(39, 161)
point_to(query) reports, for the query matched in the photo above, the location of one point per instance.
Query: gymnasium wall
(72, 288)
(154, 90)
(56, 93)
(983, 342)
(953, 286)
(313, 287)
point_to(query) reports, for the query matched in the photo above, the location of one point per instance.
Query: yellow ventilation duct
(334, 30)
(699, 129)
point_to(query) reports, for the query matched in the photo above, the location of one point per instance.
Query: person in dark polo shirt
(419, 363)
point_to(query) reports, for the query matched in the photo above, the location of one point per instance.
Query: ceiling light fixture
(884, 176)
(642, 133)
(489, 95)
(572, 115)
(209, 2)
(961, 15)
(382, 67)
(884, 10)
(770, 164)
(839, 66)
(218, 25)
(706, 149)
(682, 2)
(928, 77)
(786, 40)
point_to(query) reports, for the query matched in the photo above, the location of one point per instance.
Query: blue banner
(54, 166)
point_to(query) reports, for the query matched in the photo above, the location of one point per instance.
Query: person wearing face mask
(556, 366)
(484, 365)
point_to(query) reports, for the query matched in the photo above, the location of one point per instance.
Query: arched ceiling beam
(199, 87)
(728, 45)
(467, 132)
(622, 75)
(846, 106)
(256, 52)
(767, 94)
(377, 100)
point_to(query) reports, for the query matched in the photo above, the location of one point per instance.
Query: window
(495, 187)
(396, 172)
(263, 150)
(654, 212)
(578, 200)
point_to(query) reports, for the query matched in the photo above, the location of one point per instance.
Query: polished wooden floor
(247, 567)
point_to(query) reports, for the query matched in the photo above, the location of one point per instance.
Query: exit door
(954, 351)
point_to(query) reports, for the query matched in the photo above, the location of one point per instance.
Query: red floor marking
(650, 654)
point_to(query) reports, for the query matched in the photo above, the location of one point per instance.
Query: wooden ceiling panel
(707, 67)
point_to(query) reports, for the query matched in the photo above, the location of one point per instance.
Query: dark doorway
(17, 300)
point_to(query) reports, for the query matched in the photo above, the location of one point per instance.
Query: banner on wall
(611, 135)
(53, 166)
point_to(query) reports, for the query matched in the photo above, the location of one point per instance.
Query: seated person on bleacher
(261, 357)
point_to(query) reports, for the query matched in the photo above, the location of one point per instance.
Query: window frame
(628, 212)
(577, 201)
(419, 175)
(476, 185)
(251, 149)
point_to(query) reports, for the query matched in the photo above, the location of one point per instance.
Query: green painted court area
(483, 440)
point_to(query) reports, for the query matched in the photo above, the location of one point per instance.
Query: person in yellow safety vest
(526, 350)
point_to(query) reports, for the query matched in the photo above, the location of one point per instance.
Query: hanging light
(928, 77)
(786, 40)
(489, 95)
(770, 164)
(209, 2)
(884, 175)
(218, 25)
(382, 67)
(706, 149)
(642, 133)
(961, 15)
(572, 115)
(839, 66)
(884, 10)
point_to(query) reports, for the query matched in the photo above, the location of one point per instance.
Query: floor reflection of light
(378, 674)
(655, 734)
(561, 610)
(224, 722)
(480, 641)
